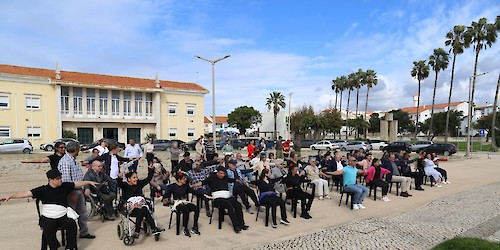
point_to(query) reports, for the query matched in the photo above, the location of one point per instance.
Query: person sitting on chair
(268, 196)
(160, 177)
(443, 172)
(55, 211)
(106, 190)
(132, 193)
(314, 174)
(374, 178)
(179, 191)
(430, 170)
(239, 187)
(396, 175)
(294, 191)
(349, 174)
(218, 183)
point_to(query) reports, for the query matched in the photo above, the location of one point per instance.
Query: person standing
(279, 148)
(148, 150)
(71, 172)
(134, 151)
(200, 148)
(54, 212)
(251, 148)
(175, 152)
(286, 148)
(53, 160)
(102, 147)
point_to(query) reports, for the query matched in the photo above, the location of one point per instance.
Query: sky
(289, 46)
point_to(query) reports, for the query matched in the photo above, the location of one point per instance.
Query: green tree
(361, 82)
(371, 80)
(486, 121)
(439, 125)
(244, 117)
(495, 102)
(359, 124)
(332, 121)
(150, 135)
(438, 61)
(374, 123)
(404, 120)
(275, 101)
(68, 134)
(352, 81)
(336, 89)
(420, 71)
(302, 121)
(455, 39)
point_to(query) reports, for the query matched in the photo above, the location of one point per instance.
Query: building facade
(221, 126)
(38, 104)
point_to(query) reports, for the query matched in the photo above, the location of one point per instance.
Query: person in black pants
(54, 201)
(374, 178)
(268, 196)
(218, 183)
(240, 188)
(293, 190)
(406, 169)
(180, 191)
(132, 189)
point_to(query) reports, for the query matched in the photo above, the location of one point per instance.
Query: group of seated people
(220, 181)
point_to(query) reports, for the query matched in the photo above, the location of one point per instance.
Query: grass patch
(466, 244)
(476, 146)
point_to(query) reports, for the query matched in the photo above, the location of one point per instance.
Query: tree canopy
(244, 117)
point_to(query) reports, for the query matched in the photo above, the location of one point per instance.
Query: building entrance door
(85, 135)
(134, 133)
(110, 133)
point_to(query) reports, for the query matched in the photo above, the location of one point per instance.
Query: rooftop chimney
(58, 72)
(157, 81)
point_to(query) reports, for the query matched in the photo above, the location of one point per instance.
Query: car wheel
(49, 148)
(26, 151)
(313, 148)
(343, 149)
(446, 153)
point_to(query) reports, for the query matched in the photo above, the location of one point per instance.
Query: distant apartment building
(39, 103)
(221, 126)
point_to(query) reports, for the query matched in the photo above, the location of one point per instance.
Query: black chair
(347, 198)
(397, 187)
(177, 221)
(294, 202)
(44, 241)
(221, 214)
(268, 207)
(374, 188)
(431, 180)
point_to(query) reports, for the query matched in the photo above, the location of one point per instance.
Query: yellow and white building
(38, 104)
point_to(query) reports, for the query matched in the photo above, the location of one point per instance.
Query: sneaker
(328, 197)
(186, 233)
(355, 207)
(135, 235)
(386, 199)
(250, 210)
(444, 182)
(448, 182)
(285, 222)
(320, 198)
(157, 231)
(439, 186)
(274, 225)
(361, 206)
(305, 216)
(195, 231)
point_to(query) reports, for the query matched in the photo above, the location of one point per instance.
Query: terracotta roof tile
(218, 119)
(413, 110)
(98, 79)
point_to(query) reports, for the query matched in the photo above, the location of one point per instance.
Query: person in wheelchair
(55, 210)
(133, 198)
(179, 191)
(106, 190)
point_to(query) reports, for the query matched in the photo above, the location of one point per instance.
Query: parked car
(85, 147)
(236, 143)
(339, 143)
(324, 145)
(398, 146)
(49, 146)
(378, 144)
(191, 144)
(444, 148)
(307, 143)
(361, 146)
(16, 145)
(160, 144)
(419, 146)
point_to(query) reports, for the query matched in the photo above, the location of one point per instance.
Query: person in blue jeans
(349, 174)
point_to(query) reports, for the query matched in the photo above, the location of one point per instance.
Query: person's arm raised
(19, 195)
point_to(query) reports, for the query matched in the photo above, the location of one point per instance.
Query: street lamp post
(213, 62)
(469, 115)
(289, 112)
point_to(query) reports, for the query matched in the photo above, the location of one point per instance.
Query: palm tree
(455, 39)
(352, 81)
(276, 101)
(335, 88)
(359, 84)
(371, 80)
(420, 71)
(493, 126)
(438, 61)
(482, 35)
(342, 81)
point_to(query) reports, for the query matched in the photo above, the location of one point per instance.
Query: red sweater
(370, 173)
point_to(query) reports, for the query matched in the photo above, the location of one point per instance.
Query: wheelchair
(126, 226)
(95, 207)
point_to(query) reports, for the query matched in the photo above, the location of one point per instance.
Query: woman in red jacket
(374, 177)
(251, 149)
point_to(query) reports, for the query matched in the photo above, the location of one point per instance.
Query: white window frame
(103, 105)
(31, 102)
(172, 106)
(172, 132)
(34, 132)
(191, 107)
(115, 107)
(138, 108)
(127, 107)
(191, 131)
(4, 131)
(65, 104)
(91, 106)
(6, 100)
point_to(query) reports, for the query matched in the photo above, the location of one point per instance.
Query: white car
(50, 145)
(339, 143)
(378, 144)
(324, 145)
(361, 146)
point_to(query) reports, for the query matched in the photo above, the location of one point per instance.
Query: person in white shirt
(134, 151)
(102, 147)
(148, 150)
(314, 174)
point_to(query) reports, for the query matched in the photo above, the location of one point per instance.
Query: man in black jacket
(111, 161)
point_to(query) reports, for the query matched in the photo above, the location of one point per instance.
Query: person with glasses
(106, 190)
(53, 160)
(55, 210)
(349, 174)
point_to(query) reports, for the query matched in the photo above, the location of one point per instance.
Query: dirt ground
(19, 229)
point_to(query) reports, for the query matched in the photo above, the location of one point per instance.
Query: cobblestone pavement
(472, 213)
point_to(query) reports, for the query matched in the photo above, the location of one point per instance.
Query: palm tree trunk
(431, 133)
(336, 96)
(471, 104)
(418, 105)
(275, 127)
(493, 138)
(340, 109)
(449, 100)
(356, 116)
(366, 108)
(347, 115)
